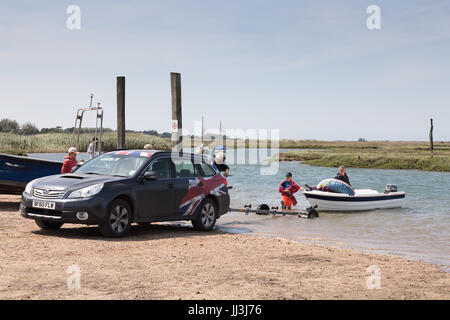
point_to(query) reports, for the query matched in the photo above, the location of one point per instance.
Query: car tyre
(206, 218)
(48, 225)
(117, 221)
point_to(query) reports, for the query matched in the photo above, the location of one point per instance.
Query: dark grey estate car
(120, 187)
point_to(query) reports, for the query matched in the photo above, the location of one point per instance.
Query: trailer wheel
(262, 206)
(312, 212)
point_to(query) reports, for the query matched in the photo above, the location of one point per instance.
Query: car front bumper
(65, 210)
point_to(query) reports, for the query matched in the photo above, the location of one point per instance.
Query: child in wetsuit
(287, 189)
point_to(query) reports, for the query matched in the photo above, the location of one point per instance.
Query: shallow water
(419, 230)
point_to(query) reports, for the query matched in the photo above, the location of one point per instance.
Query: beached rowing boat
(17, 171)
(364, 199)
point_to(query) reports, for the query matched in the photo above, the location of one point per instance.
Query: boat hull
(327, 201)
(17, 171)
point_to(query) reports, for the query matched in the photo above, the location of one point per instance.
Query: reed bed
(60, 142)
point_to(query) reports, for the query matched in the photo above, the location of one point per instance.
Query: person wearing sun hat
(70, 160)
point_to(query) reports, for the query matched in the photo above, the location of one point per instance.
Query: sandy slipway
(173, 262)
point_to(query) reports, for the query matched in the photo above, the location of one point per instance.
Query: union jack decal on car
(199, 189)
(138, 153)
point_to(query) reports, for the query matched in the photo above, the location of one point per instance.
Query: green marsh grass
(60, 142)
(379, 155)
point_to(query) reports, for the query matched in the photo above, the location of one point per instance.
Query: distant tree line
(12, 126)
(155, 133)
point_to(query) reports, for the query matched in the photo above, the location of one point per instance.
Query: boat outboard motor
(390, 188)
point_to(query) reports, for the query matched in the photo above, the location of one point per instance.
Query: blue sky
(310, 68)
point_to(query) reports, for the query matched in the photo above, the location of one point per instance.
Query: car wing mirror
(150, 175)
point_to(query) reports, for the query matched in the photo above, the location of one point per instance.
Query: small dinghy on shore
(362, 200)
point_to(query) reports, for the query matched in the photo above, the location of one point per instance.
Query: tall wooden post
(203, 132)
(120, 112)
(431, 135)
(177, 137)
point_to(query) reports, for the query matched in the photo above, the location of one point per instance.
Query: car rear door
(187, 193)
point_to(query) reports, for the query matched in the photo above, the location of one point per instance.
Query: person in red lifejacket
(70, 160)
(287, 189)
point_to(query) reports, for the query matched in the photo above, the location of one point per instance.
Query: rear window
(208, 170)
(185, 168)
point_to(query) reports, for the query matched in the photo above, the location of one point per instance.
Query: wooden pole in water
(120, 112)
(221, 140)
(177, 137)
(431, 135)
(203, 131)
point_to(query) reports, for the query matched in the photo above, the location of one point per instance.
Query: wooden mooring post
(177, 135)
(431, 135)
(120, 112)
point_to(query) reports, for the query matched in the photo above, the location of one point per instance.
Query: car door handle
(171, 185)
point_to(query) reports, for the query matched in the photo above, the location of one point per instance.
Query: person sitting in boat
(287, 189)
(70, 160)
(342, 175)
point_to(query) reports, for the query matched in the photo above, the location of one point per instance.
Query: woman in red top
(70, 161)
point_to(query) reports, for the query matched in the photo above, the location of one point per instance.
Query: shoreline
(174, 262)
(338, 244)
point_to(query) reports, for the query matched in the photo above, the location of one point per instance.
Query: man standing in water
(70, 160)
(343, 176)
(287, 189)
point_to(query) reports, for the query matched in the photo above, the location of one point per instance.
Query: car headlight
(29, 186)
(86, 192)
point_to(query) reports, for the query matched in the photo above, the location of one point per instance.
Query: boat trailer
(264, 209)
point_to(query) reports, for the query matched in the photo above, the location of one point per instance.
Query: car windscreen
(112, 164)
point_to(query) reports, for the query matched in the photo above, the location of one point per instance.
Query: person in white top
(90, 149)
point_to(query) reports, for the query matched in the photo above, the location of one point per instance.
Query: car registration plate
(43, 204)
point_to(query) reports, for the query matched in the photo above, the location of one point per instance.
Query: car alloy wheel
(119, 218)
(206, 218)
(208, 215)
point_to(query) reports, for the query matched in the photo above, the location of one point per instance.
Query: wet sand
(174, 262)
